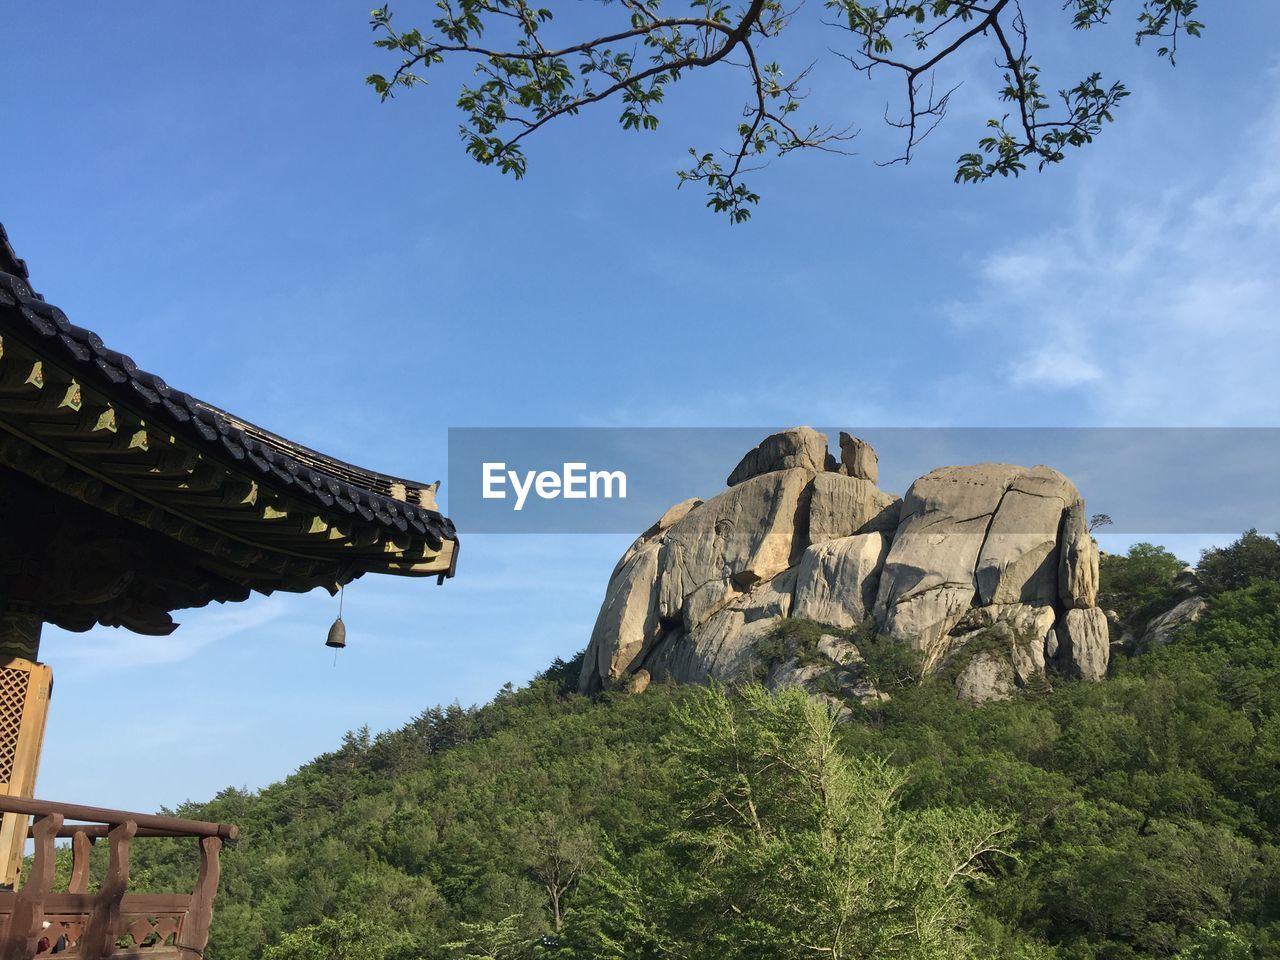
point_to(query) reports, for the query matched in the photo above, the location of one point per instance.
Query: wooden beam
(75, 811)
(96, 831)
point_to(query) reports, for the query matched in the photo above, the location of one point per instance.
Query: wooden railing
(90, 926)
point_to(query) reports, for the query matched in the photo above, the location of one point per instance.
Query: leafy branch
(523, 82)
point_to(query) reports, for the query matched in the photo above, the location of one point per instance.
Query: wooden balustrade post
(92, 923)
(194, 934)
(25, 687)
(99, 938)
(81, 847)
(21, 939)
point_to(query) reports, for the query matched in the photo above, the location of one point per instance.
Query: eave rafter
(117, 445)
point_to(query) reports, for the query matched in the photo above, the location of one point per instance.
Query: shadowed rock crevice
(987, 571)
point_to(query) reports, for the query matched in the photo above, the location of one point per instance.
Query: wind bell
(338, 632)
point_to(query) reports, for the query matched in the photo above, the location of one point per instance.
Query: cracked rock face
(750, 533)
(1019, 558)
(1078, 560)
(928, 580)
(987, 570)
(837, 580)
(1162, 628)
(1084, 647)
(841, 506)
(986, 677)
(723, 645)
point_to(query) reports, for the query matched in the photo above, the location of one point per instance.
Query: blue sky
(215, 191)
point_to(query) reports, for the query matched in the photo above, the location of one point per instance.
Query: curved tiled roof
(249, 508)
(328, 481)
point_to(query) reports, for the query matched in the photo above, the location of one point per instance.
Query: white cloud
(1054, 367)
(1017, 268)
(1155, 302)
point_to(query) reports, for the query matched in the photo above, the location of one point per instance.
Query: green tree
(1146, 812)
(1216, 941)
(1139, 584)
(789, 848)
(555, 854)
(491, 940)
(346, 937)
(1252, 557)
(529, 76)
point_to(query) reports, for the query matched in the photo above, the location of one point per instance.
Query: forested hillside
(1134, 818)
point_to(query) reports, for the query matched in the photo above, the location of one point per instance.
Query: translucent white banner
(1172, 480)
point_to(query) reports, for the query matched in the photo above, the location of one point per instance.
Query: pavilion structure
(123, 499)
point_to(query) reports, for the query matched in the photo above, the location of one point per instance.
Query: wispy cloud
(1055, 367)
(1154, 302)
(107, 649)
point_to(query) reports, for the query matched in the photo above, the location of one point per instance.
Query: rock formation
(988, 571)
(1162, 628)
(1128, 639)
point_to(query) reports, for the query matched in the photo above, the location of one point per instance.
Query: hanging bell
(337, 635)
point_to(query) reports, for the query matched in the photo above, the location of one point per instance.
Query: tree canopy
(529, 73)
(1133, 819)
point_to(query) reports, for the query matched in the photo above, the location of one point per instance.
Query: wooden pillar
(25, 686)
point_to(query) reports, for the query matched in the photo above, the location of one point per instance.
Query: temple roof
(238, 507)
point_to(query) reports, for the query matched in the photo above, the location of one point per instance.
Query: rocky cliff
(988, 571)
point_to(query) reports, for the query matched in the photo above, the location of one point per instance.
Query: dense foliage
(1139, 584)
(1252, 557)
(1135, 818)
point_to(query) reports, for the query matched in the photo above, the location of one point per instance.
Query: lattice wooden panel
(13, 700)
